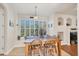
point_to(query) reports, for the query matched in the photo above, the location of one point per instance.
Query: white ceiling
(44, 9)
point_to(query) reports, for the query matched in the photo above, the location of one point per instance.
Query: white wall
(78, 25)
(1, 31)
(9, 31)
(66, 29)
(51, 30)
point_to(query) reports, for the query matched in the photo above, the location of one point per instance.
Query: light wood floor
(71, 49)
(20, 52)
(66, 50)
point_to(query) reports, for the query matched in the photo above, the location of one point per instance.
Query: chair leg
(51, 52)
(46, 52)
(55, 50)
(33, 52)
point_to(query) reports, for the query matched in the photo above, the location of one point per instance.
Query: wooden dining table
(28, 43)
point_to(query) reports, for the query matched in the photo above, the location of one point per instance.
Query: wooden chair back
(36, 43)
(50, 42)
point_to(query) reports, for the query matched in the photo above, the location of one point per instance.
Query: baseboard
(9, 51)
(19, 45)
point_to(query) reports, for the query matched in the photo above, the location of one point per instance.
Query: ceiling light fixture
(36, 16)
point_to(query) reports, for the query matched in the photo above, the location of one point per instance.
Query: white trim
(9, 50)
(19, 45)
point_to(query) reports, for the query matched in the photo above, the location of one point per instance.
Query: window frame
(27, 19)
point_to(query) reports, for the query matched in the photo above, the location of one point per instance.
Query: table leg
(26, 49)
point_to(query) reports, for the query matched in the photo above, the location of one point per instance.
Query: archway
(3, 15)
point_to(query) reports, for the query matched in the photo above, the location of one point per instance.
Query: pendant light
(35, 16)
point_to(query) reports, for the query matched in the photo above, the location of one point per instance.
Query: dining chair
(50, 47)
(36, 47)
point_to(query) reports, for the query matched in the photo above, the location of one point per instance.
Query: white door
(1, 33)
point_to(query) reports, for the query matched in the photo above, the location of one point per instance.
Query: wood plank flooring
(71, 49)
(19, 51)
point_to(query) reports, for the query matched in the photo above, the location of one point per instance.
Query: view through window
(31, 27)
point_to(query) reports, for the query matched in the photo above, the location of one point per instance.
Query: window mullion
(34, 27)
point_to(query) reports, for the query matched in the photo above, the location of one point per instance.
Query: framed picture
(11, 23)
(69, 22)
(60, 21)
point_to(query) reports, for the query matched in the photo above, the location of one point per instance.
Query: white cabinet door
(1, 33)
